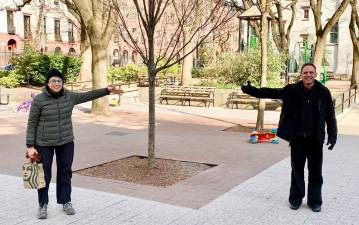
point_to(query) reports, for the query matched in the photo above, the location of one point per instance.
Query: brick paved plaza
(250, 185)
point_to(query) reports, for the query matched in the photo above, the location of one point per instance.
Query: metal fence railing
(81, 86)
(346, 99)
(5, 58)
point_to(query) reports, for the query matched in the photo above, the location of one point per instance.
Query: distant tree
(354, 34)
(14, 5)
(321, 32)
(281, 32)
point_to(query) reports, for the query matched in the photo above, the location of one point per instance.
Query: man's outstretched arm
(273, 93)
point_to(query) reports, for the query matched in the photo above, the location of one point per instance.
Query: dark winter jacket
(292, 98)
(49, 122)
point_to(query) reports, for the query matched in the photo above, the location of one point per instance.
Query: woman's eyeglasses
(56, 81)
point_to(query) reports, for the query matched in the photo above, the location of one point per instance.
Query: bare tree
(321, 32)
(281, 32)
(14, 5)
(168, 35)
(354, 28)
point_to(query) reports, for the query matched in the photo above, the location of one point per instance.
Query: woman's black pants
(64, 157)
(302, 149)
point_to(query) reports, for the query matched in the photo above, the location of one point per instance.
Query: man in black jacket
(307, 107)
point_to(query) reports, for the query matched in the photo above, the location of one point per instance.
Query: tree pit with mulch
(135, 169)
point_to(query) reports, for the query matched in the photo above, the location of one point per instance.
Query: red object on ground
(265, 136)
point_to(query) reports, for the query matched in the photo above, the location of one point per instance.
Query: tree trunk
(353, 27)
(319, 54)
(355, 70)
(151, 100)
(38, 33)
(85, 71)
(99, 69)
(151, 119)
(187, 65)
(264, 60)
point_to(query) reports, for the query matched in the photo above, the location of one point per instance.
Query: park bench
(238, 97)
(7, 97)
(185, 94)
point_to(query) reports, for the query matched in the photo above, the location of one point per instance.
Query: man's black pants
(303, 148)
(64, 158)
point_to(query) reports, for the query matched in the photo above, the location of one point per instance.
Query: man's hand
(246, 89)
(331, 144)
(115, 89)
(32, 153)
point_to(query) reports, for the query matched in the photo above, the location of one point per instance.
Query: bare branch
(336, 16)
(132, 42)
(16, 6)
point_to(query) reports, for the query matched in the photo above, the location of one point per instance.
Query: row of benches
(205, 95)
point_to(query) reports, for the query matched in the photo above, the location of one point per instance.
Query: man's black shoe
(294, 206)
(316, 208)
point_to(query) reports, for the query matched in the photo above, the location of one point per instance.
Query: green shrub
(196, 72)
(175, 69)
(32, 66)
(238, 68)
(71, 67)
(4, 73)
(11, 80)
(125, 73)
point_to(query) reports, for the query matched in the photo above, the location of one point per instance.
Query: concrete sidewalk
(261, 199)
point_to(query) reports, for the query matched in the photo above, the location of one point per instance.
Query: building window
(44, 24)
(334, 34)
(134, 57)
(10, 22)
(71, 31)
(57, 30)
(306, 13)
(125, 57)
(58, 50)
(134, 34)
(116, 57)
(125, 9)
(11, 45)
(27, 27)
(304, 38)
(72, 51)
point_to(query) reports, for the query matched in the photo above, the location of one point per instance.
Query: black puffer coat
(291, 96)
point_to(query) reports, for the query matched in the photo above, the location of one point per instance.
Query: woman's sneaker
(42, 213)
(68, 209)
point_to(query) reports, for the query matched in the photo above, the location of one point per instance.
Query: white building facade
(339, 49)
